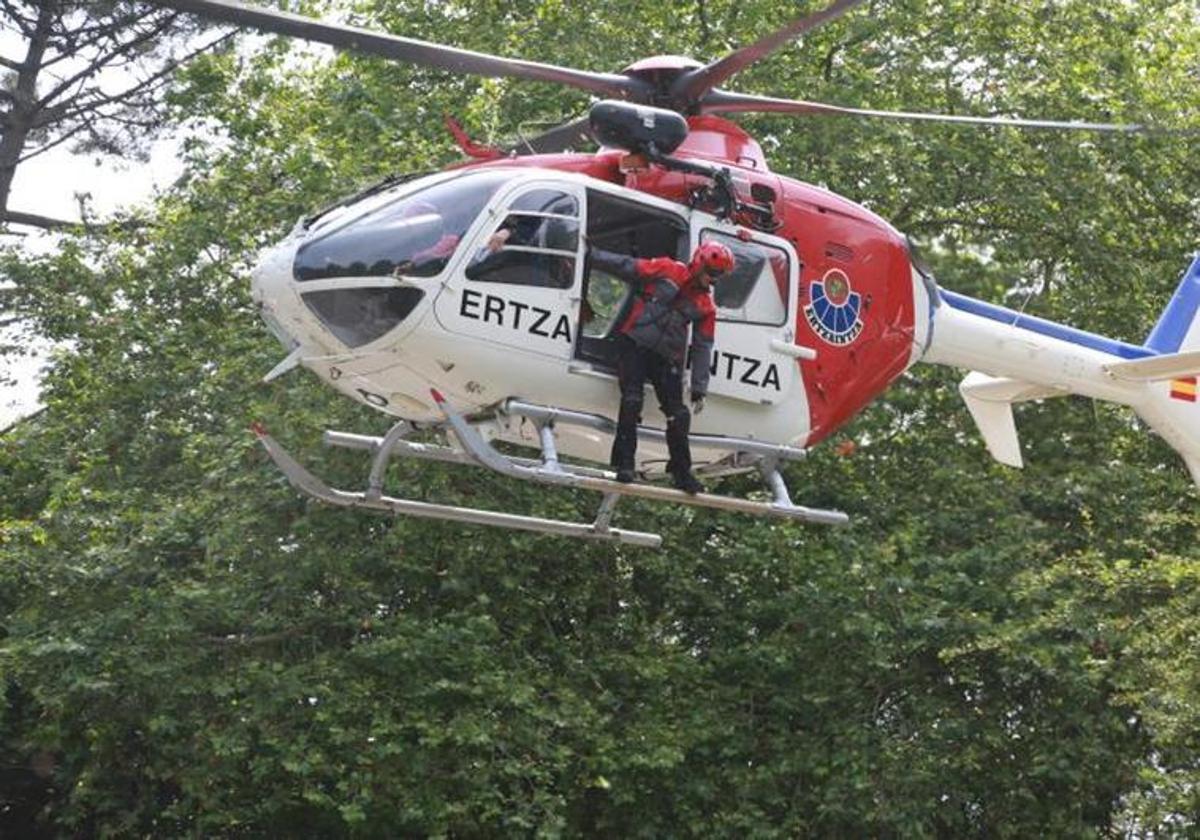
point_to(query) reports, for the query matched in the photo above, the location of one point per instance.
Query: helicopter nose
(271, 289)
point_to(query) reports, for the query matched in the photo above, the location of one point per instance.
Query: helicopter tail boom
(1015, 358)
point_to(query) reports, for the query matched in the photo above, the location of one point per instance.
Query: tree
(187, 647)
(62, 89)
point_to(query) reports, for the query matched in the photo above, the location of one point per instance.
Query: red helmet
(712, 257)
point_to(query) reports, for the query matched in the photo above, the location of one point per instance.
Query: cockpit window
(359, 316)
(415, 235)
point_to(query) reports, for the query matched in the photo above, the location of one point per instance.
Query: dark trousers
(634, 366)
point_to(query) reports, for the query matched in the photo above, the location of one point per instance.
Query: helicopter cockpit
(412, 234)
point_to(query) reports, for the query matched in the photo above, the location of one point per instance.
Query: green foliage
(188, 648)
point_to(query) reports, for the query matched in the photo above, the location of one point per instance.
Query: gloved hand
(697, 402)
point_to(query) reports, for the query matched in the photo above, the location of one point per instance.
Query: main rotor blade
(564, 138)
(719, 101)
(358, 39)
(694, 84)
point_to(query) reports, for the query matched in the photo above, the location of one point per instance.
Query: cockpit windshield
(415, 235)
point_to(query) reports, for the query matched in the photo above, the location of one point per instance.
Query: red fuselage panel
(855, 304)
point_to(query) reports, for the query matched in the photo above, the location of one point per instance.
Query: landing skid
(472, 449)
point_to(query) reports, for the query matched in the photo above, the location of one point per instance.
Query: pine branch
(34, 220)
(100, 61)
(69, 110)
(57, 141)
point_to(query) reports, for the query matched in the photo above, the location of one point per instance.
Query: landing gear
(469, 447)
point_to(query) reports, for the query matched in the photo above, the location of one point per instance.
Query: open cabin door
(519, 287)
(622, 225)
(754, 354)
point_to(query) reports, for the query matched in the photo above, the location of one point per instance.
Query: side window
(534, 245)
(756, 291)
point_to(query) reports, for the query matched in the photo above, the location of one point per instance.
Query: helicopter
(398, 298)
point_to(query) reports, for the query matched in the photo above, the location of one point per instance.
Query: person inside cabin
(535, 267)
(426, 219)
(652, 341)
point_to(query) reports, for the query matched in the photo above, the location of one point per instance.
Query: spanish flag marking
(1184, 389)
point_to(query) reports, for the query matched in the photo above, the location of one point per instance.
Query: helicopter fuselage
(399, 292)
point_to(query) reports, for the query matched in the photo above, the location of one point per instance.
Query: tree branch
(17, 217)
(34, 220)
(91, 36)
(68, 110)
(95, 64)
(57, 141)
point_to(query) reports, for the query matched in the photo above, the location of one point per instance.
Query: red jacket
(666, 303)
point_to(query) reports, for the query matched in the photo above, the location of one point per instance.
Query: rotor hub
(661, 72)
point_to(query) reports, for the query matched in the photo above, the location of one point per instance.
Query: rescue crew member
(653, 344)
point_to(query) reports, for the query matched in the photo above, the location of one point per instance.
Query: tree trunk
(24, 110)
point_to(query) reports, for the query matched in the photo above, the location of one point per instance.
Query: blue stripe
(1047, 328)
(1175, 321)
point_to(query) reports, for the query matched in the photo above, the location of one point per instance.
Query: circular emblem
(835, 310)
(837, 286)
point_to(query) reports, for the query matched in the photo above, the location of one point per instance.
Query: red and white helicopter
(393, 298)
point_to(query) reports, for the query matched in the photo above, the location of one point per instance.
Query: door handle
(796, 351)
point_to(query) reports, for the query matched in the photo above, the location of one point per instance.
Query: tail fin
(1178, 327)
(1174, 407)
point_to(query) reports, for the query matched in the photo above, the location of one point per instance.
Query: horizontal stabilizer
(990, 401)
(1157, 368)
(1000, 389)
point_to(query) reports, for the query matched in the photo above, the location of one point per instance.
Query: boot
(688, 483)
(680, 463)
